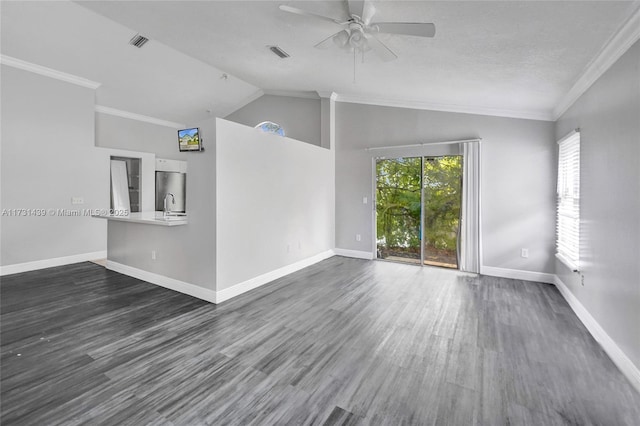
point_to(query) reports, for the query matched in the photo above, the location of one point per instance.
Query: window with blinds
(568, 214)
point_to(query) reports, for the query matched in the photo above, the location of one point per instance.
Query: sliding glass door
(418, 202)
(441, 202)
(398, 208)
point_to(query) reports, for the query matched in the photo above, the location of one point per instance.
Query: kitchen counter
(148, 218)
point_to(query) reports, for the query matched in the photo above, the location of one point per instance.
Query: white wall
(185, 253)
(274, 202)
(300, 117)
(48, 157)
(124, 133)
(517, 176)
(608, 116)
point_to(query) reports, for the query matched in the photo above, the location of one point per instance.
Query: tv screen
(189, 139)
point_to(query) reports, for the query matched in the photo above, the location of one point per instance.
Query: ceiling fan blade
(356, 7)
(367, 12)
(327, 42)
(383, 51)
(419, 29)
(297, 11)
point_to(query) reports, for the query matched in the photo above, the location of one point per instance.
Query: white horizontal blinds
(568, 223)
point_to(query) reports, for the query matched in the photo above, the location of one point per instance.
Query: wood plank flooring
(342, 342)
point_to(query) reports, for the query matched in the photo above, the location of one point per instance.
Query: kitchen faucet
(167, 209)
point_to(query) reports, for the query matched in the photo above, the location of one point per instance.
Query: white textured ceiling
(519, 56)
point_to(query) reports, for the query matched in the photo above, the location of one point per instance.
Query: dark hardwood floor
(342, 342)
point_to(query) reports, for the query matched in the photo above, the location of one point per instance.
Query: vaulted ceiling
(521, 57)
(156, 80)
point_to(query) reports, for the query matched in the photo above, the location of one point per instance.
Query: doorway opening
(418, 208)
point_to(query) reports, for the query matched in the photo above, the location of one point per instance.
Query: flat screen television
(189, 139)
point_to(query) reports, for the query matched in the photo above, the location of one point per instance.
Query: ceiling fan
(359, 30)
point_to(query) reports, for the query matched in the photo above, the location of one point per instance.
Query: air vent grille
(278, 51)
(138, 41)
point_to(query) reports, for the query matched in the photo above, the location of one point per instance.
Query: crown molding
(48, 72)
(329, 95)
(616, 46)
(497, 112)
(293, 94)
(324, 94)
(138, 117)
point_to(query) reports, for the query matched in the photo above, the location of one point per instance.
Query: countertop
(148, 218)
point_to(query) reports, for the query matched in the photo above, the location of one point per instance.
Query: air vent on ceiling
(278, 51)
(138, 40)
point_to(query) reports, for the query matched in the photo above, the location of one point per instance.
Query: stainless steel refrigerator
(171, 183)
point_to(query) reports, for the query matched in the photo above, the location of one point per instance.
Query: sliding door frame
(397, 152)
(421, 228)
(421, 211)
(374, 204)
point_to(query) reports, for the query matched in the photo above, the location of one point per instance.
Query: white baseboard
(619, 358)
(211, 295)
(353, 253)
(49, 263)
(616, 354)
(518, 274)
(163, 281)
(263, 279)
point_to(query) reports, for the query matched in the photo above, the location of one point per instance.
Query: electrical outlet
(364, 200)
(77, 200)
(358, 237)
(153, 255)
(582, 279)
(524, 253)
(288, 248)
(299, 245)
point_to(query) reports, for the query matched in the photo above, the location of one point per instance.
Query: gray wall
(300, 117)
(608, 116)
(123, 133)
(186, 253)
(325, 123)
(48, 157)
(518, 176)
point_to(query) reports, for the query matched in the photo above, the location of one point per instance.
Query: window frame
(568, 201)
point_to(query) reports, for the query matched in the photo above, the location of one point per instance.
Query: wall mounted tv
(189, 140)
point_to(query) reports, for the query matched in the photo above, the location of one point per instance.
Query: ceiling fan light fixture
(342, 38)
(357, 39)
